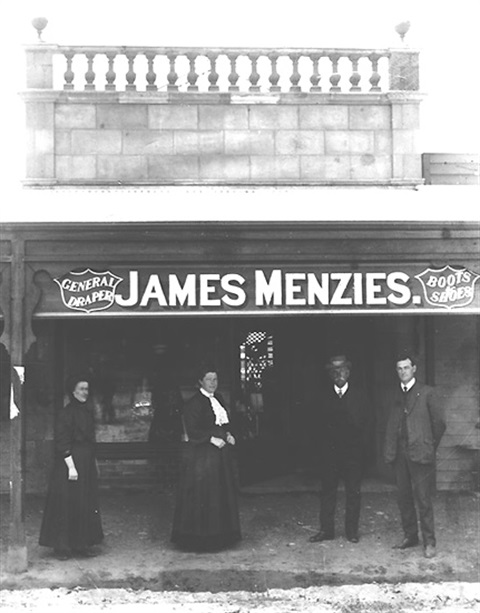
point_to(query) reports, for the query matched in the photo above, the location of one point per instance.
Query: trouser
(351, 473)
(415, 484)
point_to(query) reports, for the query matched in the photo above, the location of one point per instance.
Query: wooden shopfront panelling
(258, 268)
(366, 253)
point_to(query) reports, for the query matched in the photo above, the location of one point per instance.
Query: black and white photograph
(240, 307)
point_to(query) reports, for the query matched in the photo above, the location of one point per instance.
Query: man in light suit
(341, 427)
(415, 427)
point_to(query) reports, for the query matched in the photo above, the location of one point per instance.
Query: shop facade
(138, 309)
(112, 284)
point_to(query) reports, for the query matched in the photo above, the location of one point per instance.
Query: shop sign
(266, 290)
(448, 287)
(88, 290)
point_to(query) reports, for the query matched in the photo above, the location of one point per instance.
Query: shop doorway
(270, 369)
(287, 366)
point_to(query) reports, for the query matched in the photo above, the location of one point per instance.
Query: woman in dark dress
(71, 520)
(206, 514)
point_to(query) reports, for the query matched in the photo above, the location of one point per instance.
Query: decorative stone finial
(402, 28)
(40, 23)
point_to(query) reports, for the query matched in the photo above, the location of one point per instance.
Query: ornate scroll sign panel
(448, 287)
(88, 290)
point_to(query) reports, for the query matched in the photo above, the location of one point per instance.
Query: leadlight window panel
(256, 354)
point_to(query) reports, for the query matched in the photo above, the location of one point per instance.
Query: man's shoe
(411, 541)
(321, 536)
(353, 538)
(430, 551)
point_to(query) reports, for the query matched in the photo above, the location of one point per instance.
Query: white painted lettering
(343, 279)
(317, 291)
(231, 285)
(291, 288)
(268, 292)
(178, 294)
(372, 288)
(206, 289)
(153, 291)
(357, 288)
(400, 292)
(132, 298)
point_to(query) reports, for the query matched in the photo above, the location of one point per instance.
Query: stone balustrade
(220, 70)
(157, 115)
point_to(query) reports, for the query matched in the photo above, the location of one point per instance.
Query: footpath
(273, 554)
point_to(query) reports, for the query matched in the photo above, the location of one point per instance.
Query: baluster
(130, 76)
(233, 76)
(274, 76)
(254, 76)
(315, 78)
(295, 78)
(335, 76)
(355, 77)
(192, 75)
(172, 75)
(110, 75)
(69, 75)
(90, 75)
(151, 75)
(213, 74)
(375, 78)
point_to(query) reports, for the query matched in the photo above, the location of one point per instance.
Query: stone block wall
(293, 139)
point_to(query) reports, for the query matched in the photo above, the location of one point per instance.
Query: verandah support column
(17, 547)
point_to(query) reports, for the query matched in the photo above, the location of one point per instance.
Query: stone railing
(190, 115)
(220, 70)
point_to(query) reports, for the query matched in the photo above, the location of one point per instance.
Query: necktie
(340, 393)
(405, 389)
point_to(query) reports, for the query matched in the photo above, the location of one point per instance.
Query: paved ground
(274, 553)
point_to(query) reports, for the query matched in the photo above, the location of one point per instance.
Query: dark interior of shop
(269, 371)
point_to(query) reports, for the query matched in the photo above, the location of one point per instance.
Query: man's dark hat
(337, 361)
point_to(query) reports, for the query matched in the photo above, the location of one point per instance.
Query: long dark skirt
(206, 513)
(71, 519)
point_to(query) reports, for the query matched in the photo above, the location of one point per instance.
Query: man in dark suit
(414, 428)
(341, 425)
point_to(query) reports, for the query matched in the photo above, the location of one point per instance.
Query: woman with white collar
(206, 514)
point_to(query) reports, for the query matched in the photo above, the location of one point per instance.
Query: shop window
(135, 388)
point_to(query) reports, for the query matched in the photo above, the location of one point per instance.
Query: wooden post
(17, 548)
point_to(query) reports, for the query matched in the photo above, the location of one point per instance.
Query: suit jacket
(341, 426)
(425, 423)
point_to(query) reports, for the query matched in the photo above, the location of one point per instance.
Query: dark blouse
(74, 426)
(199, 419)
